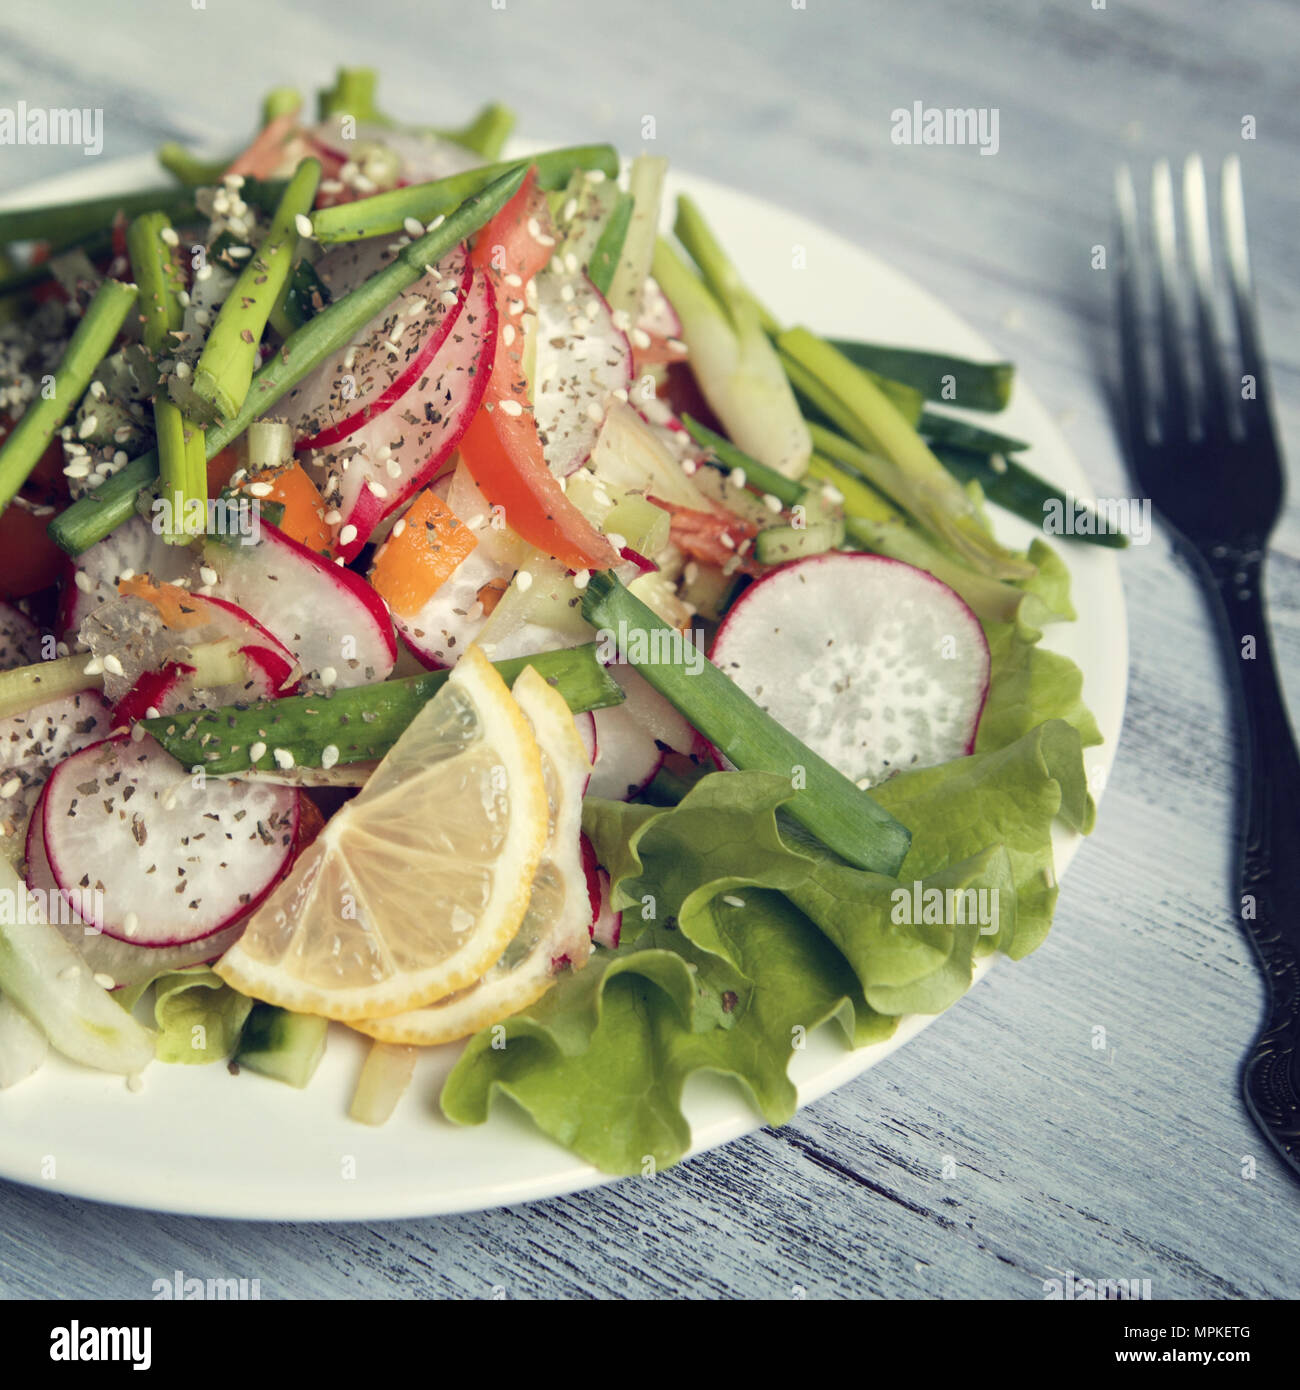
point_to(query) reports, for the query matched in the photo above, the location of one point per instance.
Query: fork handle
(1270, 847)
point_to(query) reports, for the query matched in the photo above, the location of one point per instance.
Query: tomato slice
(501, 448)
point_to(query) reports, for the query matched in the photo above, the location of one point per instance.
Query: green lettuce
(199, 1016)
(1028, 684)
(741, 935)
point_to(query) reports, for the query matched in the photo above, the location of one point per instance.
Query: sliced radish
(375, 370)
(173, 862)
(581, 360)
(126, 963)
(586, 723)
(657, 316)
(628, 755)
(332, 621)
(134, 548)
(34, 742)
(874, 664)
(185, 651)
(394, 453)
(606, 924)
(20, 641)
(421, 157)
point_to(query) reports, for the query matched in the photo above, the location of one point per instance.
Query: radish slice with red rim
(36, 741)
(133, 548)
(182, 655)
(379, 365)
(581, 359)
(156, 856)
(379, 465)
(124, 962)
(606, 924)
(872, 663)
(332, 621)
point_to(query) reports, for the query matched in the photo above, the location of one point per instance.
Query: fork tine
(1173, 417)
(1133, 383)
(1196, 216)
(1237, 254)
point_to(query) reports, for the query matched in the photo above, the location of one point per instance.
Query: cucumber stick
(777, 544)
(283, 1045)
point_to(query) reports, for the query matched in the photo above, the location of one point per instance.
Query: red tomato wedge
(501, 448)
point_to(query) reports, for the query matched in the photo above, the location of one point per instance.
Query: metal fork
(1204, 449)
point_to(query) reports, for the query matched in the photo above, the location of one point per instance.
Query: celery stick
(902, 462)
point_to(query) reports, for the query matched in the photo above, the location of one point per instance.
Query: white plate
(197, 1140)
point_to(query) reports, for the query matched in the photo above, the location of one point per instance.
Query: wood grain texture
(1120, 1161)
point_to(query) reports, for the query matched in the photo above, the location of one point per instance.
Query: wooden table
(1121, 1162)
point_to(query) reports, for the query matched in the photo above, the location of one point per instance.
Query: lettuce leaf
(199, 1016)
(741, 935)
(1027, 684)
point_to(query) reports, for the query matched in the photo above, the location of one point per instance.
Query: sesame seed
(640, 338)
(328, 675)
(732, 901)
(347, 535)
(832, 495)
(413, 227)
(332, 518)
(168, 234)
(207, 574)
(399, 527)
(508, 334)
(130, 924)
(448, 298)
(257, 752)
(582, 579)
(509, 407)
(105, 981)
(182, 370)
(523, 581)
(329, 755)
(773, 504)
(283, 758)
(736, 477)
(11, 786)
(88, 427)
(595, 412)
(126, 574)
(83, 582)
(112, 665)
(259, 490)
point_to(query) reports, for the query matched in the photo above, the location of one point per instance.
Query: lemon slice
(554, 934)
(416, 886)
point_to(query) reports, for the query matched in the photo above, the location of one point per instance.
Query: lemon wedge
(416, 886)
(553, 936)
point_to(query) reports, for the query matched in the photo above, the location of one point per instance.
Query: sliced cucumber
(643, 526)
(284, 1045)
(778, 544)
